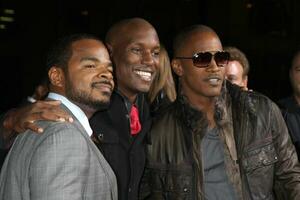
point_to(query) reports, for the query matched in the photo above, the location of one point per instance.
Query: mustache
(104, 81)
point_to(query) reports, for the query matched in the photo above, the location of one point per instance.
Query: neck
(129, 95)
(131, 98)
(205, 105)
(88, 110)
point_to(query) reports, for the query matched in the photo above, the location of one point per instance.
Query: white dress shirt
(76, 111)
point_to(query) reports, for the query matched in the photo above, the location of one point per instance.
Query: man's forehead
(196, 45)
(144, 38)
(140, 38)
(93, 49)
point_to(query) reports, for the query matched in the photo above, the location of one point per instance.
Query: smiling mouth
(214, 80)
(104, 87)
(144, 75)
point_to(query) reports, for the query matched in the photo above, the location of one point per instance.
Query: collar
(197, 122)
(75, 110)
(126, 101)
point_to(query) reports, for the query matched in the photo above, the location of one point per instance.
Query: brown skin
(136, 57)
(134, 53)
(40, 92)
(88, 83)
(200, 85)
(23, 118)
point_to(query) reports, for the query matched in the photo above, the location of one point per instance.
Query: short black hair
(61, 51)
(182, 36)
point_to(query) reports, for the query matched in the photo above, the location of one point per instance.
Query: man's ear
(176, 66)
(56, 76)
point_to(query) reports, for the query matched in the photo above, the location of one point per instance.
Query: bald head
(126, 29)
(134, 49)
(199, 31)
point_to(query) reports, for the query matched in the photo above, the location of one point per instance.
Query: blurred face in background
(234, 73)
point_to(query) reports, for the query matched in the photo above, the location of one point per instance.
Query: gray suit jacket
(62, 163)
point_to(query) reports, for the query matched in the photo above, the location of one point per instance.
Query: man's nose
(147, 58)
(213, 65)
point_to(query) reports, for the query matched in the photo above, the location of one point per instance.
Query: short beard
(82, 98)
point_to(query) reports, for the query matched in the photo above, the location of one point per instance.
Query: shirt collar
(76, 111)
(127, 103)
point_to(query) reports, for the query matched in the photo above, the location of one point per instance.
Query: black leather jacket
(260, 159)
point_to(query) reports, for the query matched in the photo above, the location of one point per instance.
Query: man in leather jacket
(217, 141)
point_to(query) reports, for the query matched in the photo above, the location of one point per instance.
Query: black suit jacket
(124, 153)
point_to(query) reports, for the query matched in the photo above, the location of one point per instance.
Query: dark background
(266, 30)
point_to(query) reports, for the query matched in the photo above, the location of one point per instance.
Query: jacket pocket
(166, 184)
(178, 186)
(258, 166)
(260, 157)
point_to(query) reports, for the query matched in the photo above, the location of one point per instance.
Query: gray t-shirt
(216, 183)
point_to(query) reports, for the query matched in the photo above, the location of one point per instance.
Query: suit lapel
(102, 161)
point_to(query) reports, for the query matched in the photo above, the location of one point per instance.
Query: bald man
(120, 131)
(217, 141)
(134, 48)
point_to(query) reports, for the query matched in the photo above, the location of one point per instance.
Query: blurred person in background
(237, 68)
(162, 91)
(290, 106)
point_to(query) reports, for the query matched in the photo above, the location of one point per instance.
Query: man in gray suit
(64, 163)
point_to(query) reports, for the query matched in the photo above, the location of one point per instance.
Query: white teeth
(213, 80)
(144, 75)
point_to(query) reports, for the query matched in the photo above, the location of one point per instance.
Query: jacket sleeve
(287, 169)
(59, 166)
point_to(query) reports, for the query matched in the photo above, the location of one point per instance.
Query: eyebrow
(89, 59)
(95, 60)
(143, 44)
